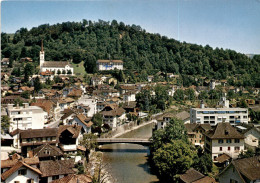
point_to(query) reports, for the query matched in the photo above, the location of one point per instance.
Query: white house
(54, 66)
(90, 102)
(103, 65)
(129, 97)
(83, 121)
(223, 139)
(21, 172)
(26, 117)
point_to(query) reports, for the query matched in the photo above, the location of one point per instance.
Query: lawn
(79, 69)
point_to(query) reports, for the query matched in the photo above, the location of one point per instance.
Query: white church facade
(56, 67)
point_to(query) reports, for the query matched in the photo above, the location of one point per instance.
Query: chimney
(202, 106)
(26, 105)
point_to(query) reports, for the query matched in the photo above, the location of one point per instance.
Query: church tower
(41, 55)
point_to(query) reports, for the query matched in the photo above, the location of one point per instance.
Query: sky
(228, 24)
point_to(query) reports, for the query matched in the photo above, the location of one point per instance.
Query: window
(229, 141)
(220, 148)
(55, 177)
(22, 172)
(237, 140)
(220, 141)
(233, 181)
(245, 117)
(228, 148)
(237, 148)
(16, 181)
(30, 181)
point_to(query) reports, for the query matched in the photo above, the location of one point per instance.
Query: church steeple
(41, 55)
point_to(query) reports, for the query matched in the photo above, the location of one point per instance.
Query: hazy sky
(233, 24)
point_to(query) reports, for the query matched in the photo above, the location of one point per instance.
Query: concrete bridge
(102, 141)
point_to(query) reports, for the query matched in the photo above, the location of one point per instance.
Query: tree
(28, 71)
(178, 95)
(190, 93)
(121, 76)
(25, 94)
(97, 120)
(63, 71)
(69, 72)
(58, 72)
(249, 153)
(37, 84)
(89, 141)
(203, 163)
(172, 159)
(5, 123)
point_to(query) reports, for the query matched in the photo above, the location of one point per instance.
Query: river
(128, 163)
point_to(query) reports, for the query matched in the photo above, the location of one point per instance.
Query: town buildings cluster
(46, 127)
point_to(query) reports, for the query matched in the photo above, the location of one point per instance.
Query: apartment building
(213, 116)
(26, 117)
(104, 65)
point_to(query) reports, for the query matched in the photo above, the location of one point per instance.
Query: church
(55, 67)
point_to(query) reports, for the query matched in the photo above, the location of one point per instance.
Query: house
(5, 62)
(74, 178)
(46, 152)
(193, 176)
(251, 134)
(129, 107)
(75, 93)
(56, 67)
(26, 117)
(196, 132)
(223, 138)
(95, 81)
(104, 65)
(83, 121)
(85, 109)
(150, 78)
(50, 107)
(69, 136)
(66, 103)
(21, 172)
(68, 115)
(241, 171)
(30, 139)
(56, 169)
(113, 115)
(163, 120)
(184, 116)
(129, 97)
(126, 88)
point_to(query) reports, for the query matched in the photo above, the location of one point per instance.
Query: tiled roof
(57, 167)
(55, 64)
(46, 105)
(224, 131)
(183, 115)
(73, 178)
(67, 114)
(15, 167)
(222, 158)
(249, 167)
(73, 129)
(191, 175)
(34, 133)
(129, 105)
(75, 93)
(114, 112)
(47, 150)
(9, 163)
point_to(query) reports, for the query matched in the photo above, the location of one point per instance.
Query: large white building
(26, 117)
(214, 116)
(103, 65)
(54, 66)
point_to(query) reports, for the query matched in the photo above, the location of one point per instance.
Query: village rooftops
(55, 63)
(57, 167)
(10, 163)
(193, 176)
(73, 129)
(224, 131)
(108, 61)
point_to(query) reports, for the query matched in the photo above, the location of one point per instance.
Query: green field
(79, 69)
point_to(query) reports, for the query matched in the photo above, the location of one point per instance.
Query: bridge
(102, 141)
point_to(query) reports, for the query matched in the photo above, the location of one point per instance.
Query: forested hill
(138, 49)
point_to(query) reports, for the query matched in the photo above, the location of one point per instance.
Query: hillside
(89, 41)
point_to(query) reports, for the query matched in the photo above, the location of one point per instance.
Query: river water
(128, 163)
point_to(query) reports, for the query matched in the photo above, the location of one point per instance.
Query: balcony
(68, 147)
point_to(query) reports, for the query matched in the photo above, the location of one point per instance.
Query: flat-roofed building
(26, 117)
(103, 65)
(214, 116)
